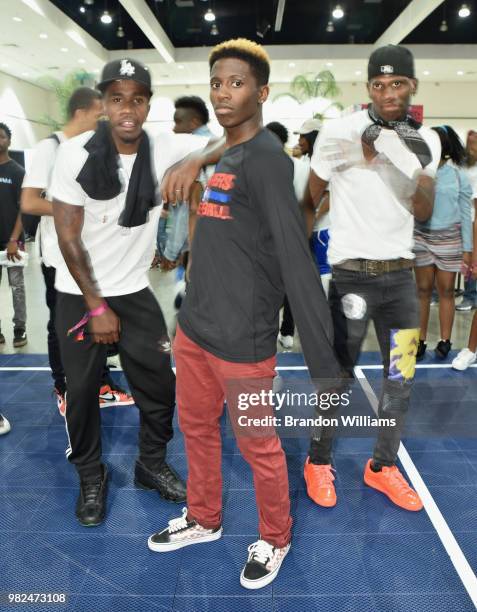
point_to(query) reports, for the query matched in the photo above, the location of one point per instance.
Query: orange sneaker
(319, 483)
(114, 397)
(392, 483)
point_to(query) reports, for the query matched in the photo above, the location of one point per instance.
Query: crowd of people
(375, 213)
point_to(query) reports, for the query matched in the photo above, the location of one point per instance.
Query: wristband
(96, 312)
(81, 325)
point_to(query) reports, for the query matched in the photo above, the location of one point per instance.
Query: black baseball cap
(391, 59)
(125, 69)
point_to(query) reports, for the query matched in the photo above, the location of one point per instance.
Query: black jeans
(144, 348)
(390, 301)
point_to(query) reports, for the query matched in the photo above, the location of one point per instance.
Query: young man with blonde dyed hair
(249, 249)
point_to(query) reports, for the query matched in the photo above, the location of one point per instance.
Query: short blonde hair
(246, 50)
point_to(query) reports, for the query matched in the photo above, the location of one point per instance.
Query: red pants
(200, 392)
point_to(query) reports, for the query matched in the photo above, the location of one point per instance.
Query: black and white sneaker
(4, 425)
(181, 532)
(263, 564)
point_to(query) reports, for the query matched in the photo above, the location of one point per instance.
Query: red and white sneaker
(114, 397)
(60, 401)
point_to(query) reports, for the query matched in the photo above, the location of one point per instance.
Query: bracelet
(96, 312)
(81, 325)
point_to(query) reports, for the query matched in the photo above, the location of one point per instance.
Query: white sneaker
(181, 532)
(464, 359)
(263, 564)
(286, 341)
(4, 425)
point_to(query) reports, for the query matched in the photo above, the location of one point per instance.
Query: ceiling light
(209, 16)
(106, 18)
(81, 61)
(89, 2)
(443, 27)
(460, 72)
(214, 30)
(262, 31)
(82, 9)
(120, 32)
(338, 12)
(329, 64)
(180, 66)
(358, 72)
(464, 11)
(426, 72)
(96, 71)
(64, 49)
(291, 65)
(330, 27)
(17, 19)
(43, 35)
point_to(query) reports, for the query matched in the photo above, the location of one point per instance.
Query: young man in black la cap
(104, 191)
(379, 167)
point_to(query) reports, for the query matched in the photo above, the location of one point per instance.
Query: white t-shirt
(39, 177)
(369, 204)
(120, 257)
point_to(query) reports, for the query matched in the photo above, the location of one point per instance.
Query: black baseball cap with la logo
(390, 60)
(125, 69)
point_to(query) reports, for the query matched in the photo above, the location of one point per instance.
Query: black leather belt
(375, 267)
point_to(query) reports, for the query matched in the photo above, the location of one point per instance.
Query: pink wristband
(79, 328)
(96, 312)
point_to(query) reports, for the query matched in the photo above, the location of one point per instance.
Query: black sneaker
(4, 425)
(442, 349)
(91, 504)
(263, 564)
(180, 532)
(2, 338)
(19, 338)
(166, 481)
(421, 350)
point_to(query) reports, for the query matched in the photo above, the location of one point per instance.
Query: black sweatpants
(54, 355)
(145, 353)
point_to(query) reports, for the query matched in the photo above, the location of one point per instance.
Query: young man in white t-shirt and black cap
(379, 166)
(105, 197)
(84, 108)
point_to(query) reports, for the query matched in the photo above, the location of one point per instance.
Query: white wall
(446, 102)
(23, 107)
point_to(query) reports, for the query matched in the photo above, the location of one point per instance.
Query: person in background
(11, 234)
(468, 355)
(191, 116)
(84, 109)
(443, 243)
(320, 237)
(469, 298)
(301, 170)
